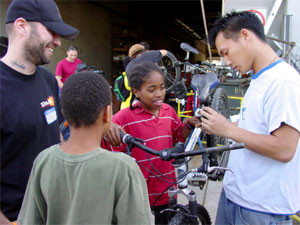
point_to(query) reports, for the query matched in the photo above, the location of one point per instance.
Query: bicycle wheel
(178, 219)
(171, 70)
(203, 217)
(220, 104)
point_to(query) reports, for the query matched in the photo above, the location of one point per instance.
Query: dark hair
(232, 23)
(83, 97)
(72, 47)
(139, 73)
(126, 61)
(145, 44)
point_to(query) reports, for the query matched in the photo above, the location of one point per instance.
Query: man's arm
(163, 52)
(281, 145)
(5, 221)
(58, 78)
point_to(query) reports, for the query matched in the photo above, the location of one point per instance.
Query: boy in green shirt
(77, 182)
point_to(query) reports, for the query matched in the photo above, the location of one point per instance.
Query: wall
(277, 25)
(94, 40)
(293, 9)
(288, 7)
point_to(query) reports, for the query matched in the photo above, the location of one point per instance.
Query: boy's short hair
(232, 23)
(83, 97)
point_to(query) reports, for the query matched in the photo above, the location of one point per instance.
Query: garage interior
(163, 24)
(109, 28)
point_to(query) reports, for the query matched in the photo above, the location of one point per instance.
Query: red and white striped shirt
(158, 132)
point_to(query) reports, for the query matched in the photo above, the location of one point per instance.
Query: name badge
(50, 115)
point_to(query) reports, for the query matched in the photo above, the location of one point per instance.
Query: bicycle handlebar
(177, 152)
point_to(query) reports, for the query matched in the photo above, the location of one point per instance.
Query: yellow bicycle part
(295, 217)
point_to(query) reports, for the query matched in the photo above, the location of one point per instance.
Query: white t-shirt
(258, 182)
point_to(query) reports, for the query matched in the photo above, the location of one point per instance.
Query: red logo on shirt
(48, 102)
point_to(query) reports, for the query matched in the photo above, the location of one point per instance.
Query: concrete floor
(213, 190)
(211, 198)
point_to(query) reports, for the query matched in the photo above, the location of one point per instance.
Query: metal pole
(206, 32)
(272, 15)
(287, 34)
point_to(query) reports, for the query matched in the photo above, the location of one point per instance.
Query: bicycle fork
(191, 209)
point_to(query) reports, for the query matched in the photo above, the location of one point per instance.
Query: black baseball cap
(44, 11)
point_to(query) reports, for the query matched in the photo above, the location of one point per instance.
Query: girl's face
(152, 92)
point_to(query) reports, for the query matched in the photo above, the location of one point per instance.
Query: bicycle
(203, 90)
(83, 67)
(193, 212)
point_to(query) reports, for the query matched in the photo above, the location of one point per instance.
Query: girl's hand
(113, 135)
(193, 122)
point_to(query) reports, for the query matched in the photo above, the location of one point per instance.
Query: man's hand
(113, 135)
(163, 52)
(214, 123)
(59, 82)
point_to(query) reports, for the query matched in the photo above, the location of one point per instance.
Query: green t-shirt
(100, 187)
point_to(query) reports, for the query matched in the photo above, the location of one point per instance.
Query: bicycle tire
(220, 104)
(168, 64)
(177, 219)
(202, 214)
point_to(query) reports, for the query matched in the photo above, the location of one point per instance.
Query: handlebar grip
(126, 138)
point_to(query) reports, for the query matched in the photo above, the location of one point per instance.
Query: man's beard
(35, 50)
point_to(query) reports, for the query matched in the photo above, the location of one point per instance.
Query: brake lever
(211, 169)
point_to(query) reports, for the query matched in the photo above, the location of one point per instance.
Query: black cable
(159, 173)
(176, 182)
(153, 173)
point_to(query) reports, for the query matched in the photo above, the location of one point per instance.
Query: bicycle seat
(204, 83)
(186, 47)
(80, 67)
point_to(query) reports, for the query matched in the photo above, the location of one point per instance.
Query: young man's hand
(215, 123)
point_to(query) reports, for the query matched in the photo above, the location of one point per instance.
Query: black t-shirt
(152, 56)
(30, 117)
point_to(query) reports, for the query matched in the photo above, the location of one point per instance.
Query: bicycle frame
(184, 114)
(196, 177)
(194, 70)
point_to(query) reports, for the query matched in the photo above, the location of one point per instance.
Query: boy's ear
(107, 114)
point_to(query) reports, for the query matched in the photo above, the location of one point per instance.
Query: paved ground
(210, 200)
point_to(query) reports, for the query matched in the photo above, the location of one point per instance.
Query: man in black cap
(30, 108)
